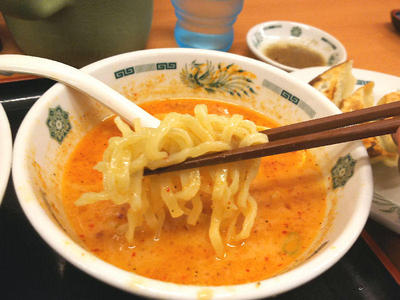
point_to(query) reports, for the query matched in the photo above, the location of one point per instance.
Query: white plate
(5, 151)
(386, 203)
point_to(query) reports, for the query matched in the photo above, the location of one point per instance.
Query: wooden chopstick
(325, 131)
(335, 121)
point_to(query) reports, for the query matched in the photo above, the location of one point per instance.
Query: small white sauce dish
(263, 35)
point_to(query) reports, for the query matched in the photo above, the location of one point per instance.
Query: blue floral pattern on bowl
(342, 171)
(58, 123)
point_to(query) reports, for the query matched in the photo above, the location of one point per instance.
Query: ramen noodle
(263, 233)
(178, 137)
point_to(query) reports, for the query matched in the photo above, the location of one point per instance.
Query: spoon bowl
(80, 81)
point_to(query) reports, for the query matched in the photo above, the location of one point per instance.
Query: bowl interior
(57, 122)
(263, 35)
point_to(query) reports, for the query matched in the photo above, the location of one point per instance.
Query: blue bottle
(206, 24)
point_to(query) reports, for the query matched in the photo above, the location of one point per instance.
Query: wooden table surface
(363, 26)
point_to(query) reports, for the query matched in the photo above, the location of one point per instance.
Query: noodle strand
(183, 193)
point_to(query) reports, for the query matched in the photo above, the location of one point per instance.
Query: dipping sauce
(294, 55)
(289, 190)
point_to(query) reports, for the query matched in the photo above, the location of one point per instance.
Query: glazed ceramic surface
(265, 34)
(61, 117)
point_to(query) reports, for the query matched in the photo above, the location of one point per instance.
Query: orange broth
(289, 190)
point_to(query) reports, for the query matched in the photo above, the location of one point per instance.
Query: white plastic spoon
(78, 80)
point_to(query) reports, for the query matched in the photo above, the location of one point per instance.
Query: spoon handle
(78, 80)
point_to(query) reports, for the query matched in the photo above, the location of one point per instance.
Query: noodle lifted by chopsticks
(179, 137)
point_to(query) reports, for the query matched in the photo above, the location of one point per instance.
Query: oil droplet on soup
(294, 55)
(289, 191)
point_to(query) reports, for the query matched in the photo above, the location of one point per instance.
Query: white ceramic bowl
(265, 34)
(5, 151)
(61, 117)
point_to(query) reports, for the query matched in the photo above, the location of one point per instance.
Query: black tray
(19, 95)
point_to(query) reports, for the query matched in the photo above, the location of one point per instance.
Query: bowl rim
(256, 51)
(57, 239)
(6, 151)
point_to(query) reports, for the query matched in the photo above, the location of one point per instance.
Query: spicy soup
(289, 190)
